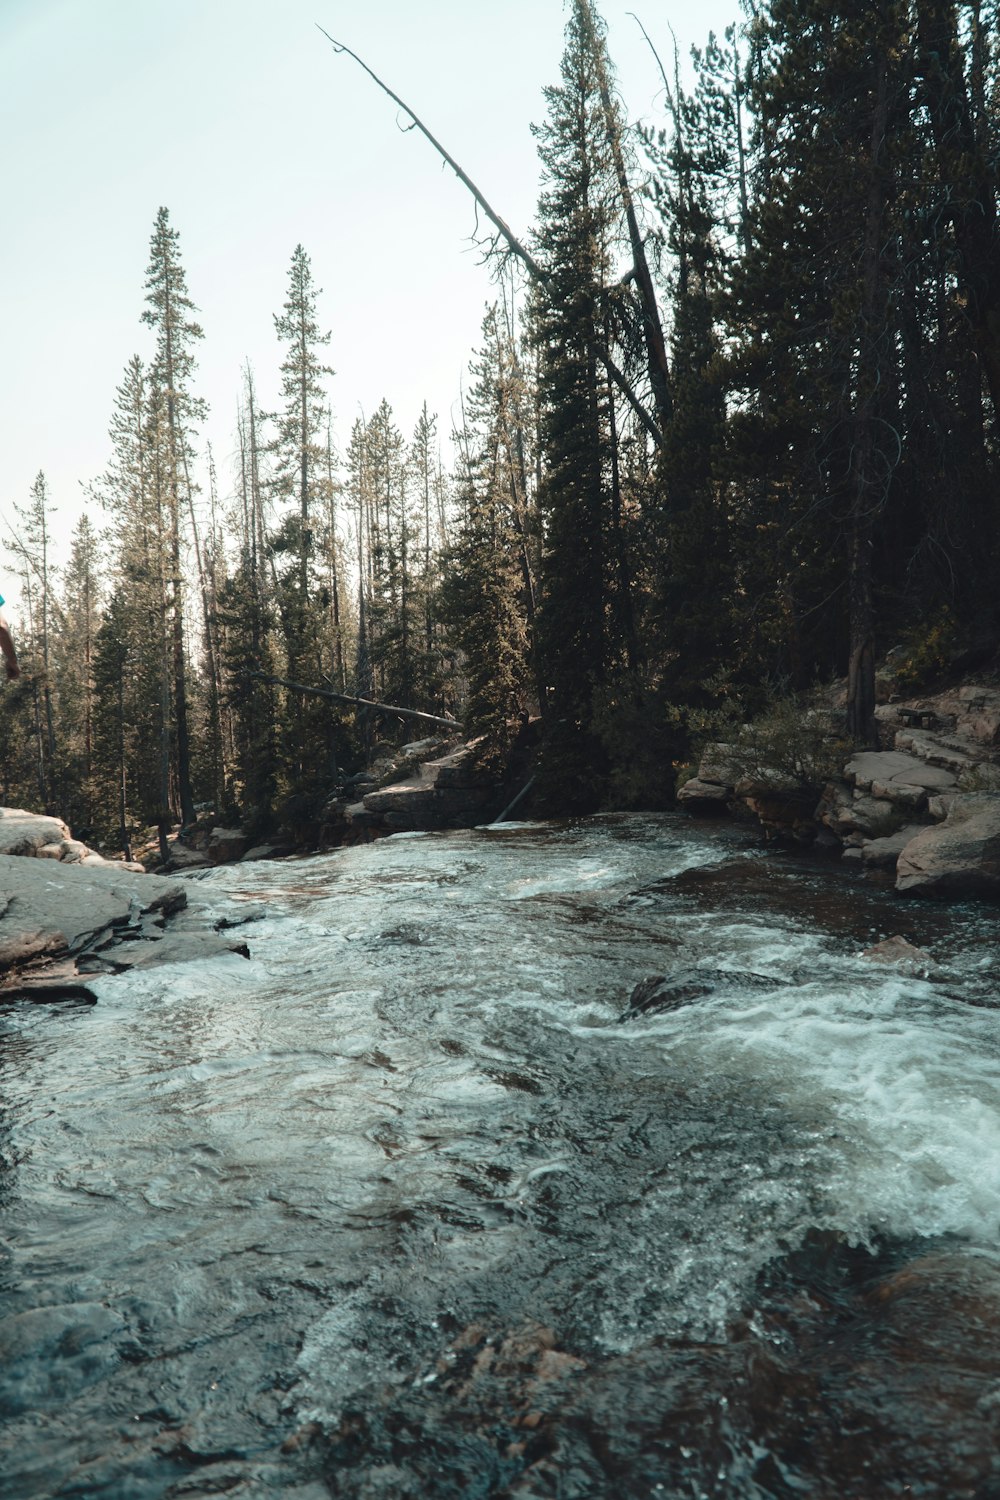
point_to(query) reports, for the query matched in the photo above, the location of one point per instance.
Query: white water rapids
(243, 1198)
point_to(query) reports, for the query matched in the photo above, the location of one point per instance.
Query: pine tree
(132, 759)
(485, 596)
(300, 449)
(568, 326)
(73, 648)
(689, 633)
(175, 410)
(36, 574)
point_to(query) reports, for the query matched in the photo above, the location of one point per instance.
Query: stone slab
(959, 857)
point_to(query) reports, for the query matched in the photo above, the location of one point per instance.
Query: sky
(241, 119)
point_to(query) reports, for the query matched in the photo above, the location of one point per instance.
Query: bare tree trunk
(656, 349)
(513, 244)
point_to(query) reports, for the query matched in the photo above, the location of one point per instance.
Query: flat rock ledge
(61, 924)
(42, 837)
(445, 792)
(927, 809)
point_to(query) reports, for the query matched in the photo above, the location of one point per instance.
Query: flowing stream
(400, 1207)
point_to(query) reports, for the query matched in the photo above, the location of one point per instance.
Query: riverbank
(924, 805)
(68, 915)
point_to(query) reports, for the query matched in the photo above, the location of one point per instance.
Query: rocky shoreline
(69, 916)
(925, 805)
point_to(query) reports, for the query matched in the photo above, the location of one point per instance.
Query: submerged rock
(662, 992)
(904, 956)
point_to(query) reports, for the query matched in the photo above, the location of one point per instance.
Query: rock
(264, 851)
(175, 948)
(73, 851)
(869, 816)
(904, 956)
(901, 794)
(984, 777)
(945, 751)
(661, 992)
(980, 711)
(61, 912)
(410, 805)
(183, 858)
(419, 749)
(695, 794)
(458, 770)
(26, 832)
(49, 851)
(959, 857)
(767, 783)
(715, 766)
(788, 815)
(886, 769)
(884, 852)
(879, 765)
(226, 844)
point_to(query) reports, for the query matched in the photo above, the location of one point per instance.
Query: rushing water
(400, 1208)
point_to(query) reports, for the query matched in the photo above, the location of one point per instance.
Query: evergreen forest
(730, 431)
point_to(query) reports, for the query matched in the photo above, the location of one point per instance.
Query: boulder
(948, 752)
(183, 858)
(883, 766)
(878, 854)
(959, 857)
(900, 793)
(984, 777)
(73, 851)
(844, 813)
(720, 764)
(226, 844)
(903, 956)
(175, 948)
(418, 749)
(880, 771)
(24, 832)
(980, 711)
(786, 815)
(264, 851)
(458, 770)
(666, 992)
(410, 805)
(697, 795)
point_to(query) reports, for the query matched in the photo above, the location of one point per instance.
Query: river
(400, 1207)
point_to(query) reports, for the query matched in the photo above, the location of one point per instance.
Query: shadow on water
(844, 1376)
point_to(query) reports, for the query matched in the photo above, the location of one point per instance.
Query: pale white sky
(238, 116)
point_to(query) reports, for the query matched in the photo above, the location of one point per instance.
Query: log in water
(400, 1208)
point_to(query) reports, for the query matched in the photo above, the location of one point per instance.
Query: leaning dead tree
(371, 703)
(655, 346)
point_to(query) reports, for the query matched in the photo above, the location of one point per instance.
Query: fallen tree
(385, 708)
